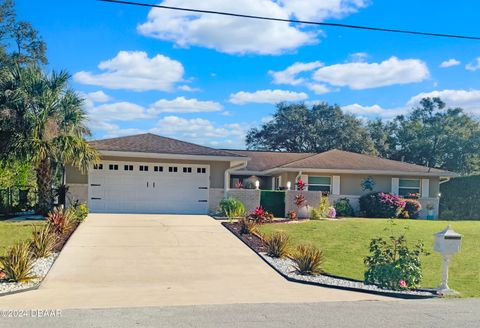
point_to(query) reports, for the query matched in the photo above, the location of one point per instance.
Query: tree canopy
(430, 134)
(298, 128)
(20, 43)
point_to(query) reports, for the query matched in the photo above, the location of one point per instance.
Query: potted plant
(430, 213)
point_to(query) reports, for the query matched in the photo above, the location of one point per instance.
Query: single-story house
(147, 173)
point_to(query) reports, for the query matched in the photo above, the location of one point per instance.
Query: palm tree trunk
(44, 185)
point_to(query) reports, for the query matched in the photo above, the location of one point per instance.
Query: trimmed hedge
(460, 199)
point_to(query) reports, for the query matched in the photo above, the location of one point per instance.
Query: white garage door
(121, 187)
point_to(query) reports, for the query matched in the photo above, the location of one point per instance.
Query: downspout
(446, 180)
(226, 181)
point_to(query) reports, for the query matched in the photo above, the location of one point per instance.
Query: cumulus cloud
(98, 96)
(374, 111)
(266, 96)
(466, 99)
(235, 35)
(134, 70)
(318, 88)
(449, 63)
(184, 105)
(119, 111)
(289, 75)
(469, 100)
(202, 131)
(475, 66)
(360, 75)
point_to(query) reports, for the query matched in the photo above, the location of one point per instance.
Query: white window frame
(410, 179)
(276, 182)
(319, 184)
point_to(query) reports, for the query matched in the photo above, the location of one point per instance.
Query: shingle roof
(264, 160)
(152, 143)
(331, 160)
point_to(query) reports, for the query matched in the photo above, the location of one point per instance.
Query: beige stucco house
(147, 173)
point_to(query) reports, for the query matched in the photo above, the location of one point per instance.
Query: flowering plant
(300, 200)
(259, 215)
(292, 215)
(239, 185)
(301, 184)
(412, 195)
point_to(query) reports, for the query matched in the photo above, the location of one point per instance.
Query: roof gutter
(226, 178)
(171, 156)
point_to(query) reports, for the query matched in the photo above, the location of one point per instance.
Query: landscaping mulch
(62, 240)
(253, 241)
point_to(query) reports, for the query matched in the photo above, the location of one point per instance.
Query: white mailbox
(447, 242)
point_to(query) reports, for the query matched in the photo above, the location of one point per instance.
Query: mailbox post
(447, 243)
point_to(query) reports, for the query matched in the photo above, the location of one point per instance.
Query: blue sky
(208, 79)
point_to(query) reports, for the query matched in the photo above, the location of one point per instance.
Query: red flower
(300, 184)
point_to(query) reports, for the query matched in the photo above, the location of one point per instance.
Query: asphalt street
(414, 313)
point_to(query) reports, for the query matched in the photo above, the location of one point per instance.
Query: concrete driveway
(130, 260)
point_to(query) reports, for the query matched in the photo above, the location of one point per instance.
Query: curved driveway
(130, 260)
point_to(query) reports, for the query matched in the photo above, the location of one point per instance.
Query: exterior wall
(313, 199)
(77, 192)
(215, 196)
(435, 201)
(249, 197)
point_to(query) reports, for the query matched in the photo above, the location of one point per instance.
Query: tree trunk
(44, 185)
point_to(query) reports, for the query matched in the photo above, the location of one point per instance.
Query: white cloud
(469, 100)
(239, 35)
(183, 105)
(318, 88)
(289, 75)
(98, 96)
(361, 75)
(202, 131)
(321, 10)
(449, 63)
(119, 111)
(475, 66)
(188, 88)
(266, 97)
(134, 70)
(374, 111)
(358, 57)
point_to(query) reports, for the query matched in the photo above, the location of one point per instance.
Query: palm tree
(47, 125)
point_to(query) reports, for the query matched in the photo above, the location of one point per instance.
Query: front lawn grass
(345, 243)
(12, 232)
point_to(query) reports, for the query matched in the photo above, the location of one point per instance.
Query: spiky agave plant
(17, 264)
(277, 244)
(308, 260)
(43, 242)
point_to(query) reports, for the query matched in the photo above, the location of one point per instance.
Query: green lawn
(11, 232)
(345, 243)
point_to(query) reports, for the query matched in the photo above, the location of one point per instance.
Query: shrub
(260, 216)
(43, 242)
(81, 212)
(392, 264)
(343, 207)
(292, 215)
(277, 244)
(324, 209)
(381, 205)
(60, 219)
(412, 209)
(247, 226)
(308, 260)
(232, 208)
(17, 264)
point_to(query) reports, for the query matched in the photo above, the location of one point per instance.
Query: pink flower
(403, 284)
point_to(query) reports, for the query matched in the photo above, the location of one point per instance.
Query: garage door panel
(150, 191)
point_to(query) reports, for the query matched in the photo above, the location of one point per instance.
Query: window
(187, 170)
(98, 166)
(158, 168)
(113, 167)
(172, 169)
(201, 170)
(276, 181)
(128, 167)
(143, 168)
(319, 184)
(408, 186)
